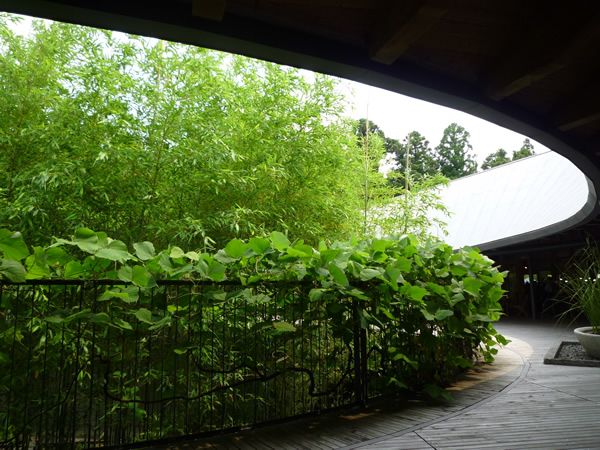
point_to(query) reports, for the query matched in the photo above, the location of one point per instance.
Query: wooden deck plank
(409, 441)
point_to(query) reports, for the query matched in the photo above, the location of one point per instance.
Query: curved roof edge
(590, 209)
(520, 201)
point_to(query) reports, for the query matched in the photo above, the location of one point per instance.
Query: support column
(531, 287)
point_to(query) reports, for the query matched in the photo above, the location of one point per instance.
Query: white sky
(397, 115)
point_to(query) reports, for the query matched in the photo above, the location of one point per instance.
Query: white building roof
(515, 202)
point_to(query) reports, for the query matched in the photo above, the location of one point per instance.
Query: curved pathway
(516, 402)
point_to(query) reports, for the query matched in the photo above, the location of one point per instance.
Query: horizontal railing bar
(106, 282)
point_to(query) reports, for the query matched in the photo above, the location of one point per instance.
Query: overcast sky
(397, 115)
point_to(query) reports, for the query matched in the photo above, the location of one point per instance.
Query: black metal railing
(93, 364)
(83, 367)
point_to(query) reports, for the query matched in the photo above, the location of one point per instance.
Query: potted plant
(581, 288)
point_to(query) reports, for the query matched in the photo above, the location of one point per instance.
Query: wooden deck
(516, 402)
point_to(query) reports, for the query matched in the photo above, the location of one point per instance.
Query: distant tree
(454, 153)
(360, 129)
(388, 207)
(391, 145)
(495, 159)
(421, 158)
(525, 150)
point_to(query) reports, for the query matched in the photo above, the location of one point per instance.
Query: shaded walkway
(516, 402)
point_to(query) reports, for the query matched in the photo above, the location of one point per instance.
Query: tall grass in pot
(581, 291)
(581, 286)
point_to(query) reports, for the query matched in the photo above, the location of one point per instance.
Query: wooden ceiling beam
(578, 116)
(581, 109)
(209, 9)
(402, 25)
(545, 52)
(593, 146)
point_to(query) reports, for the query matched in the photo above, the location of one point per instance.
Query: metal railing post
(363, 367)
(359, 354)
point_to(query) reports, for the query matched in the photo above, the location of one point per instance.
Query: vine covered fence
(85, 366)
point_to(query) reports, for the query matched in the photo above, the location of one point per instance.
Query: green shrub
(268, 311)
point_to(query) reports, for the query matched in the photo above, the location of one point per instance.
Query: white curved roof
(515, 202)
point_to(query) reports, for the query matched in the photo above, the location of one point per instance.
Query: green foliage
(421, 159)
(410, 211)
(363, 127)
(580, 286)
(454, 153)
(376, 190)
(168, 143)
(429, 277)
(525, 150)
(391, 145)
(497, 158)
(14, 250)
(500, 156)
(397, 203)
(286, 312)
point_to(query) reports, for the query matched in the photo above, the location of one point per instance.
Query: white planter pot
(589, 341)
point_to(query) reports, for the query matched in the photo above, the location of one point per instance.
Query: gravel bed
(570, 353)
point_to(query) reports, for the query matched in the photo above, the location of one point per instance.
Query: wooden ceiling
(530, 66)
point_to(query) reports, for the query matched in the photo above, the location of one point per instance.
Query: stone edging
(552, 357)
